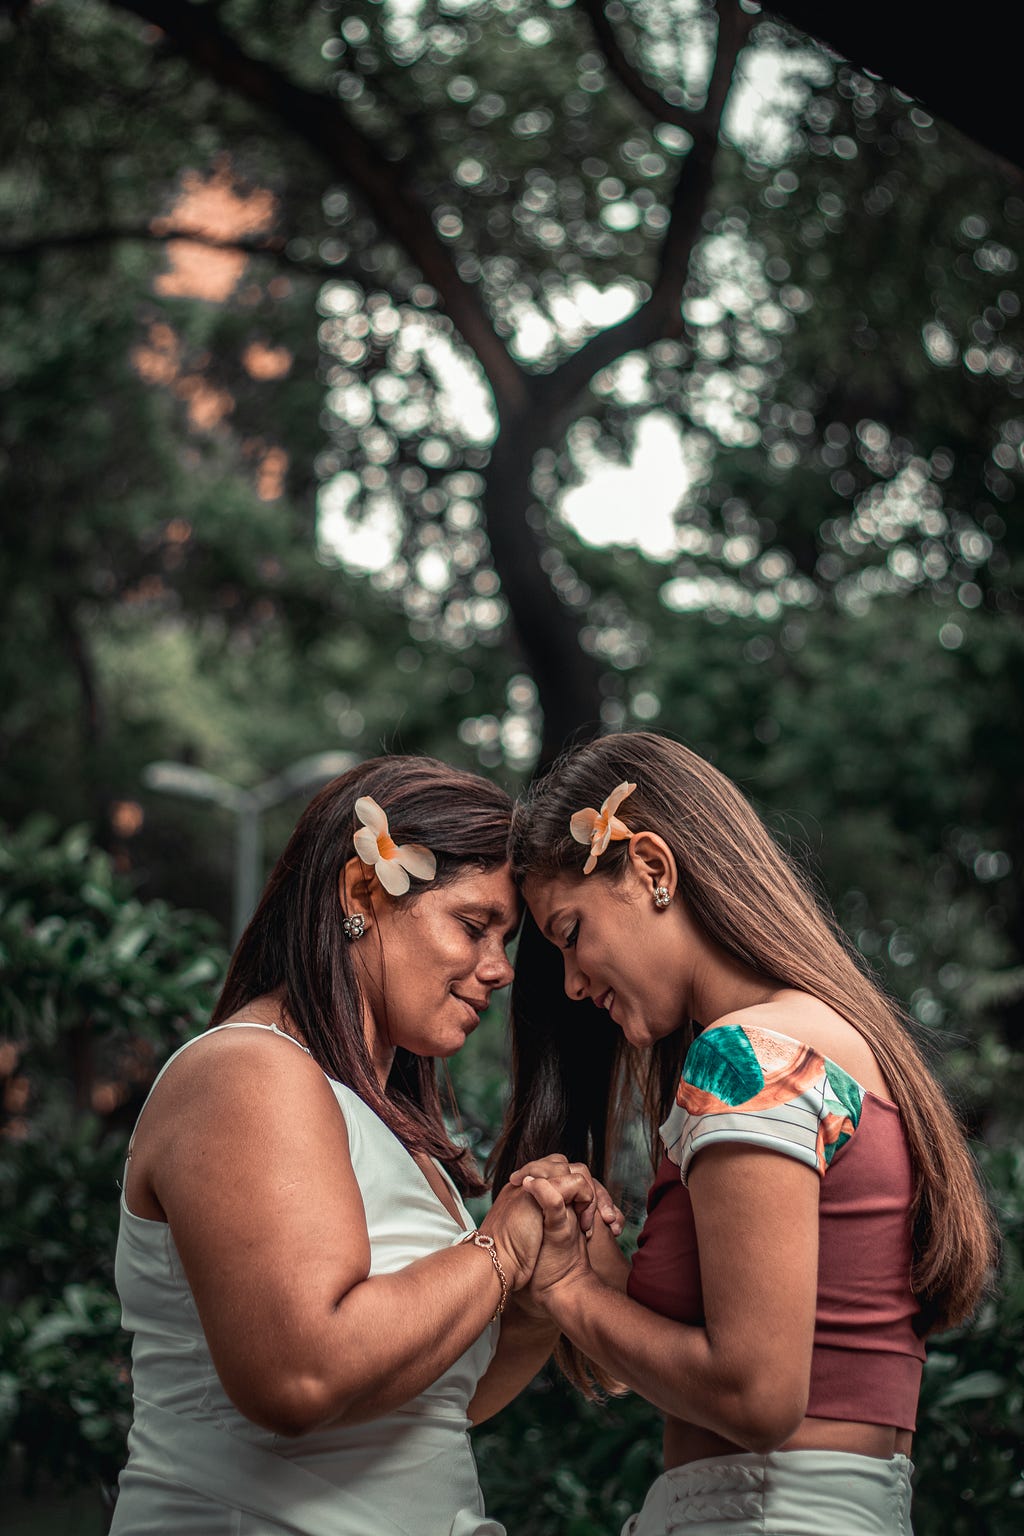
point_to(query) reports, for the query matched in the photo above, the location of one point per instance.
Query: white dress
(197, 1467)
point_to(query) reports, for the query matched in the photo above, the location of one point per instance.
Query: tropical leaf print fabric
(751, 1085)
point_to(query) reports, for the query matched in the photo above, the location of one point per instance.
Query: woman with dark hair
(314, 1312)
(815, 1211)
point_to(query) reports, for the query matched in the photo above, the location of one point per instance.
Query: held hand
(563, 1252)
(517, 1226)
(586, 1194)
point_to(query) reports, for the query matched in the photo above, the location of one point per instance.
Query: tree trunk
(567, 678)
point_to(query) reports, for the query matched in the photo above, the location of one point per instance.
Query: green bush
(552, 1464)
(969, 1450)
(65, 1387)
(96, 989)
(84, 964)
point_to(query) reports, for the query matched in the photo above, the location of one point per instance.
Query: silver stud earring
(353, 927)
(662, 899)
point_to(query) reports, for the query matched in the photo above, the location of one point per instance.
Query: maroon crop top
(867, 1359)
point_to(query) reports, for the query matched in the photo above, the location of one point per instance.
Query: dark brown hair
(294, 942)
(753, 902)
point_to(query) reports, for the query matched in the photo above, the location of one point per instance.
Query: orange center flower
(392, 863)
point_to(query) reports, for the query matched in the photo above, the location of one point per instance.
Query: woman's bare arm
(524, 1347)
(246, 1151)
(746, 1373)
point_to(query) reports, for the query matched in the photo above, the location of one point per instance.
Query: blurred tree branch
(273, 246)
(660, 318)
(322, 123)
(532, 411)
(628, 75)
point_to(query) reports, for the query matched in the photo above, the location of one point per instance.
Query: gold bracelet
(486, 1242)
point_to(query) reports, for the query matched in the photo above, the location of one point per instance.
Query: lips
(476, 1006)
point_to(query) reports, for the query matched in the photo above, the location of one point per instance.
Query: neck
(723, 985)
(381, 1053)
(382, 1064)
(270, 1009)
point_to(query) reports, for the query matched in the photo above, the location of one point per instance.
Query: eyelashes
(572, 935)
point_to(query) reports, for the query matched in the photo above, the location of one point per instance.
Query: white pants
(785, 1493)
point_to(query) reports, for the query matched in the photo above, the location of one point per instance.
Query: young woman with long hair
(314, 1312)
(815, 1211)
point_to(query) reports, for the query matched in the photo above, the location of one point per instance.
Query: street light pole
(247, 806)
(248, 861)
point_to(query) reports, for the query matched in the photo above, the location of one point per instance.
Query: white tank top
(196, 1465)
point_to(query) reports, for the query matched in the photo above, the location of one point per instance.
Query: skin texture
(741, 1381)
(427, 968)
(243, 1150)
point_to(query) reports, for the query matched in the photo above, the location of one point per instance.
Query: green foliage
(845, 390)
(65, 1397)
(96, 988)
(84, 960)
(970, 1446)
(59, 1180)
(552, 1464)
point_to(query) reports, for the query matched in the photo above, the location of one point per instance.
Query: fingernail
(528, 1179)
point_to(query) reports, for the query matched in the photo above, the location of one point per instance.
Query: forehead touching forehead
(488, 894)
(547, 894)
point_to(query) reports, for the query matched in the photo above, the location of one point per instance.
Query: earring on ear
(353, 927)
(662, 899)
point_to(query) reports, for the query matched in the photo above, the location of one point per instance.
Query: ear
(652, 862)
(355, 887)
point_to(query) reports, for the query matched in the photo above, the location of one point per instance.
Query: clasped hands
(545, 1222)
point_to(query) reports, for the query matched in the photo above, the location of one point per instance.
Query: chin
(640, 1036)
(449, 1045)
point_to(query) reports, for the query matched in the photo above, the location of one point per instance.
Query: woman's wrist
(517, 1272)
(485, 1243)
(567, 1299)
(530, 1318)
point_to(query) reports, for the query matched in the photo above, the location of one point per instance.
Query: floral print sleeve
(754, 1086)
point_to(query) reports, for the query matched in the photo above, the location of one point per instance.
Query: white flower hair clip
(599, 828)
(392, 864)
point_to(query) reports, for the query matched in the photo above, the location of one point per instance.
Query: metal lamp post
(248, 807)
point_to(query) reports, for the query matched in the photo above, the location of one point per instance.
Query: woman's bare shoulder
(236, 1074)
(245, 1049)
(814, 1023)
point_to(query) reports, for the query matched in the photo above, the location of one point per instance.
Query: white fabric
(782, 1493)
(197, 1467)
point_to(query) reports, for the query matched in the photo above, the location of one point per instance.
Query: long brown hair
(754, 903)
(294, 943)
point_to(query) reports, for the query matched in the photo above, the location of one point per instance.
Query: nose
(495, 969)
(575, 982)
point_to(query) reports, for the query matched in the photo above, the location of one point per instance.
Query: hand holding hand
(517, 1226)
(578, 1187)
(563, 1253)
